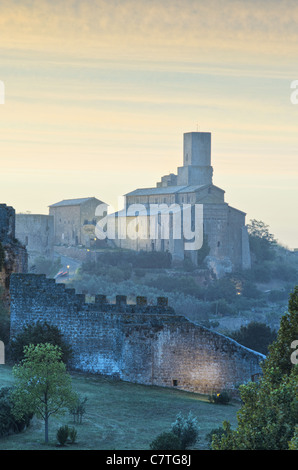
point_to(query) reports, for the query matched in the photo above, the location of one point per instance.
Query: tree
(255, 335)
(37, 333)
(43, 386)
(261, 240)
(203, 251)
(269, 414)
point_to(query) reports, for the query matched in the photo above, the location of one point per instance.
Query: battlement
(47, 292)
(142, 343)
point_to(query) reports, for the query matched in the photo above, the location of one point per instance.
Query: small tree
(78, 409)
(186, 429)
(43, 386)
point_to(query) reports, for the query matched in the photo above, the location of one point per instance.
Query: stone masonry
(13, 255)
(136, 343)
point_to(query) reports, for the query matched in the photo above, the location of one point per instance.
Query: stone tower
(196, 169)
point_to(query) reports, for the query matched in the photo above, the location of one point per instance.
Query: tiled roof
(71, 202)
(165, 190)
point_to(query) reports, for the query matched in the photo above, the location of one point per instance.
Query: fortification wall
(36, 232)
(137, 343)
(14, 257)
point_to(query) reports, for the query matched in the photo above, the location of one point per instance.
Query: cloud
(184, 28)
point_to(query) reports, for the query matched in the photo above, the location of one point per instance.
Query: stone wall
(15, 257)
(137, 343)
(36, 232)
(7, 223)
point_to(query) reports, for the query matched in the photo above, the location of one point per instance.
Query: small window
(218, 243)
(175, 383)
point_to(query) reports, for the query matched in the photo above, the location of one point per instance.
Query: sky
(98, 94)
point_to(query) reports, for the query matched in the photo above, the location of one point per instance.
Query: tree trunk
(46, 429)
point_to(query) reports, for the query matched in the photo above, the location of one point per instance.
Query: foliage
(43, 386)
(66, 434)
(222, 398)
(78, 409)
(62, 434)
(293, 444)
(125, 260)
(166, 441)
(8, 423)
(268, 416)
(280, 351)
(204, 251)
(185, 284)
(186, 429)
(72, 435)
(261, 240)
(216, 432)
(40, 332)
(255, 335)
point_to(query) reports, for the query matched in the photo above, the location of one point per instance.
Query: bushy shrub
(219, 432)
(222, 398)
(186, 429)
(72, 434)
(66, 434)
(8, 423)
(166, 441)
(62, 435)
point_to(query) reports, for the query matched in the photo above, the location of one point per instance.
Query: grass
(120, 415)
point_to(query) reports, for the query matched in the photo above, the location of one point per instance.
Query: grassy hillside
(121, 415)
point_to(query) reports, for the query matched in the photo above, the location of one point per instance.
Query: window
(175, 383)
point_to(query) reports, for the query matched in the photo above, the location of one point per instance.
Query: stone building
(146, 344)
(36, 232)
(192, 186)
(75, 221)
(13, 255)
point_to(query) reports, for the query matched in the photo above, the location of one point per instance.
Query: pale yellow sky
(99, 93)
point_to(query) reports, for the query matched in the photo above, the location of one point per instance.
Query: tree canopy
(43, 387)
(268, 417)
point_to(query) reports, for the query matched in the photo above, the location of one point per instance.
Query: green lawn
(121, 415)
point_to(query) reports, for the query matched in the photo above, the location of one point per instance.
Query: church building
(223, 226)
